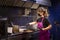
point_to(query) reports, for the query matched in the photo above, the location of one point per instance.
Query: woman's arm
(31, 23)
(47, 25)
(47, 28)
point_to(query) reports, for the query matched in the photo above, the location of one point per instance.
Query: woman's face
(41, 13)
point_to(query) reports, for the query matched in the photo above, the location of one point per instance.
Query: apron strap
(42, 19)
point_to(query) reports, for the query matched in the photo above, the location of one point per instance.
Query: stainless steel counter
(23, 36)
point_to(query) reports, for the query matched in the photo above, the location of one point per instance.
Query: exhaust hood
(41, 2)
(33, 4)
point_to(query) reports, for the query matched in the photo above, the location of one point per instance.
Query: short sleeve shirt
(45, 22)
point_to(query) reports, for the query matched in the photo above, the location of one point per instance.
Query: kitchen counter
(27, 35)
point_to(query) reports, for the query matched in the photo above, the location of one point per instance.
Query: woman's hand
(32, 23)
(43, 29)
